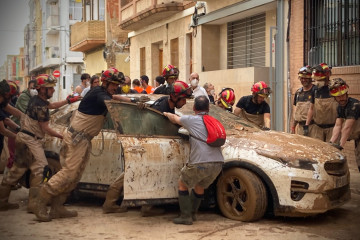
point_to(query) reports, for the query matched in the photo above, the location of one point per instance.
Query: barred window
(332, 32)
(246, 42)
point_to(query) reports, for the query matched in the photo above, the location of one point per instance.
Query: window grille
(332, 32)
(246, 42)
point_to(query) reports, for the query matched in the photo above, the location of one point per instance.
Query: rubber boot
(4, 198)
(41, 201)
(185, 209)
(150, 211)
(58, 210)
(110, 205)
(33, 193)
(195, 201)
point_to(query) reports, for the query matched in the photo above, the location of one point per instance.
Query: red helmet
(305, 72)
(321, 72)
(170, 71)
(181, 89)
(227, 97)
(14, 88)
(261, 88)
(338, 87)
(45, 80)
(113, 75)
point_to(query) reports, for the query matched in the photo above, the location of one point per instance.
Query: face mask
(212, 92)
(194, 82)
(320, 84)
(87, 84)
(33, 92)
(125, 88)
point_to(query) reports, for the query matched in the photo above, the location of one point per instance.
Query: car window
(130, 120)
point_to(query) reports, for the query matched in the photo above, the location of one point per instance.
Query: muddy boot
(195, 202)
(58, 210)
(150, 211)
(41, 201)
(110, 205)
(33, 193)
(185, 209)
(4, 198)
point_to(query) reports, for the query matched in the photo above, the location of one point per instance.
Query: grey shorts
(202, 174)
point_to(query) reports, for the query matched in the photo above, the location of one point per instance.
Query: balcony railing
(135, 14)
(86, 36)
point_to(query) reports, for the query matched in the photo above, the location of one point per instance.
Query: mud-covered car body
(286, 174)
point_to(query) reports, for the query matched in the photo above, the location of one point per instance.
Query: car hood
(293, 150)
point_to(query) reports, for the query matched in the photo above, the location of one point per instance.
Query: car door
(105, 163)
(154, 152)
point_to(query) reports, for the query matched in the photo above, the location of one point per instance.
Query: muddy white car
(264, 171)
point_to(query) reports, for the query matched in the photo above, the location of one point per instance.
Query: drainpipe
(279, 68)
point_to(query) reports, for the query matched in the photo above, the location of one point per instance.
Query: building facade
(47, 41)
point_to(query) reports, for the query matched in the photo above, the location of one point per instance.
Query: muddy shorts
(202, 174)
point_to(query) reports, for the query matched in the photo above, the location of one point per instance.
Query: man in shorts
(204, 165)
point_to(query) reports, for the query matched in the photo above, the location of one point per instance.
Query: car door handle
(136, 149)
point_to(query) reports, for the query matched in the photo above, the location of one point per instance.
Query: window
(142, 62)
(174, 52)
(332, 32)
(246, 42)
(132, 121)
(75, 10)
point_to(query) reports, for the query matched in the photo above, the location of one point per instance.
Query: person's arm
(346, 130)
(310, 114)
(237, 111)
(336, 130)
(55, 105)
(46, 128)
(121, 98)
(173, 117)
(11, 124)
(267, 120)
(13, 111)
(6, 132)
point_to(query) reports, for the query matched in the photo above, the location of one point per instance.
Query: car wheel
(241, 195)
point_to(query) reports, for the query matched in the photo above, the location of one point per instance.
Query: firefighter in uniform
(323, 106)
(29, 151)
(347, 125)
(302, 101)
(254, 107)
(171, 74)
(226, 99)
(86, 123)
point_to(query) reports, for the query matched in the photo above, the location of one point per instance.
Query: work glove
(140, 105)
(336, 145)
(306, 130)
(71, 98)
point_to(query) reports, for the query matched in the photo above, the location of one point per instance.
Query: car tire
(241, 195)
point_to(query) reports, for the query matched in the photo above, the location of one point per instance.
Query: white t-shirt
(200, 152)
(83, 93)
(198, 91)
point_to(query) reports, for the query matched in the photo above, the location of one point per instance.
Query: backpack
(216, 132)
